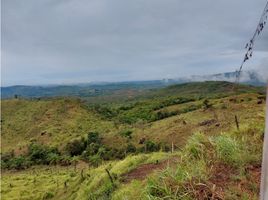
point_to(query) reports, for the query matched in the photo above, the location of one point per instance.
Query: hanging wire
(250, 45)
(249, 52)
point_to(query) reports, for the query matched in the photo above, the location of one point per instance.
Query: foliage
(48, 195)
(61, 123)
(207, 104)
(75, 147)
(228, 150)
(131, 148)
(126, 133)
(40, 154)
(151, 146)
(93, 137)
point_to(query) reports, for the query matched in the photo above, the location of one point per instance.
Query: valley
(135, 148)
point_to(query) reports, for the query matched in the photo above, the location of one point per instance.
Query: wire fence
(249, 53)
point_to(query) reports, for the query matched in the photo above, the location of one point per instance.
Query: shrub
(75, 147)
(102, 151)
(126, 133)
(92, 149)
(105, 111)
(38, 154)
(162, 115)
(151, 146)
(7, 156)
(131, 148)
(118, 153)
(95, 160)
(48, 195)
(206, 104)
(18, 163)
(93, 137)
(52, 158)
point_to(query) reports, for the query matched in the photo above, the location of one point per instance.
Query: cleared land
(126, 145)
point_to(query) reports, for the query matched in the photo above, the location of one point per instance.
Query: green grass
(202, 154)
(182, 180)
(201, 149)
(35, 184)
(53, 122)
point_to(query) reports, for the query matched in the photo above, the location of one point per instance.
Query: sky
(77, 41)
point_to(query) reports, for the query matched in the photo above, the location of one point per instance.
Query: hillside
(58, 120)
(79, 90)
(118, 89)
(133, 140)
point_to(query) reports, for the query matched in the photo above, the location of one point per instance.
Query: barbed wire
(250, 45)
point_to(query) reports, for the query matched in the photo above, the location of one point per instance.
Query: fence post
(236, 122)
(264, 171)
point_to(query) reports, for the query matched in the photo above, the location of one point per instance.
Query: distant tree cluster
(89, 149)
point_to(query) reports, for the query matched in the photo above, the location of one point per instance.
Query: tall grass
(193, 175)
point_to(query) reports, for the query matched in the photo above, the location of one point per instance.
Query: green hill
(110, 148)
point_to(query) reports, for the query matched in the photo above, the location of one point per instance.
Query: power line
(250, 45)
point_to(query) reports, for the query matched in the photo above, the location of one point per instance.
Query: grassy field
(122, 149)
(227, 166)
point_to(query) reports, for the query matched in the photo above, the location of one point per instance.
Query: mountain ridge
(104, 88)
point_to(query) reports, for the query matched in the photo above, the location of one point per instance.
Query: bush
(92, 149)
(93, 137)
(102, 151)
(118, 153)
(40, 154)
(52, 158)
(126, 133)
(37, 153)
(7, 156)
(18, 163)
(105, 111)
(95, 160)
(76, 147)
(162, 115)
(207, 104)
(151, 146)
(131, 148)
(48, 195)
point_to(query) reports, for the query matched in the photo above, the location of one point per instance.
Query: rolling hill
(140, 148)
(131, 88)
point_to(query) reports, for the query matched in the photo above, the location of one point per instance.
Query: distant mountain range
(246, 77)
(98, 89)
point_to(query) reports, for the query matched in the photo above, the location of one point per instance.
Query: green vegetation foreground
(66, 148)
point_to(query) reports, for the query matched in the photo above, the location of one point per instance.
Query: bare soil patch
(141, 172)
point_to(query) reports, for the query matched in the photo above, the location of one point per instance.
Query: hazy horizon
(68, 42)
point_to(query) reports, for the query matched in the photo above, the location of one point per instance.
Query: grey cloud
(48, 41)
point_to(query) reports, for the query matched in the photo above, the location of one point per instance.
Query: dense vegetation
(180, 142)
(90, 150)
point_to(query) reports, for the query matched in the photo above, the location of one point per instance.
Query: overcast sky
(74, 41)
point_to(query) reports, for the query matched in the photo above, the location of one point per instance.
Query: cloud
(263, 69)
(50, 41)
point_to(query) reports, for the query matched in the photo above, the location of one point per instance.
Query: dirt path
(141, 172)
